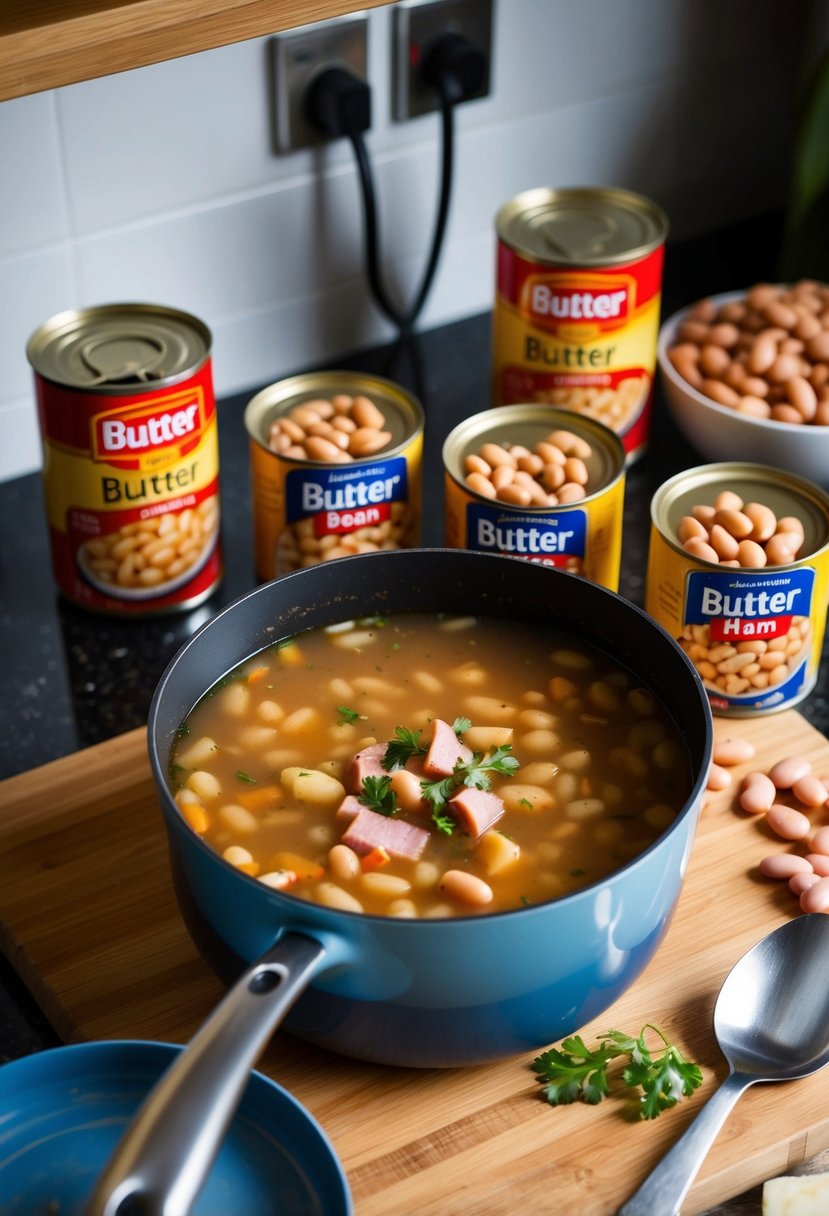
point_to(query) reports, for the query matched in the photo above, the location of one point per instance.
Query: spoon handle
(662, 1192)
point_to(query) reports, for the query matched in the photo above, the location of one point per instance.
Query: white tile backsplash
(160, 184)
(32, 201)
(33, 286)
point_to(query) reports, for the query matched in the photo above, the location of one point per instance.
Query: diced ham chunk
(476, 810)
(367, 763)
(349, 807)
(368, 831)
(445, 751)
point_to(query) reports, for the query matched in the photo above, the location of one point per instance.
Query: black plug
(338, 103)
(455, 67)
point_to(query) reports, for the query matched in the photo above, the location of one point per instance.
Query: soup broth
(422, 766)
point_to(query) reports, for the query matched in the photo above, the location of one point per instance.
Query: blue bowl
(435, 993)
(63, 1111)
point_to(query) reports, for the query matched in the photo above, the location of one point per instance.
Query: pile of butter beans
(553, 473)
(765, 354)
(762, 793)
(733, 533)
(807, 875)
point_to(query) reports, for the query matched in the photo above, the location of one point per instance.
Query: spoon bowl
(771, 1021)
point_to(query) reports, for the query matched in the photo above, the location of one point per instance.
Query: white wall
(160, 184)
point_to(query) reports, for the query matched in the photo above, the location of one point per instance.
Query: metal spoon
(771, 1021)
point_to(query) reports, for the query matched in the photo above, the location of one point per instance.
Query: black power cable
(339, 103)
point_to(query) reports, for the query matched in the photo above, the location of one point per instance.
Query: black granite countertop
(73, 679)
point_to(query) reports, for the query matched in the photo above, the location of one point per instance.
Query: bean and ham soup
(423, 766)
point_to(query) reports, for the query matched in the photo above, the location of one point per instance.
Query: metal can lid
(581, 226)
(107, 348)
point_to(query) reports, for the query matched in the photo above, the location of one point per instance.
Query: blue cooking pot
(432, 992)
(417, 992)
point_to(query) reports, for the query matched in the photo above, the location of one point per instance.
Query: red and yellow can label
(131, 486)
(583, 340)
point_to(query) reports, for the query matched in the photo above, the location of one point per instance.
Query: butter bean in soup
(362, 767)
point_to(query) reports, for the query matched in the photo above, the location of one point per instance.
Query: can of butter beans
(335, 468)
(130, 456)
(578, 293)
(538, 483)
(738, 573)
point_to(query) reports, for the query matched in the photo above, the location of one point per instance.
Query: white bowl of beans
(746, 376)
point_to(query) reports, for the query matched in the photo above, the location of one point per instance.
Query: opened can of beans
(335, 465)
(130, 456)
(538, 483)
(576, 316)
(738, 573)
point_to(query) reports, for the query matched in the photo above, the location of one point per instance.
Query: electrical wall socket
(298, 56)
(415, 24)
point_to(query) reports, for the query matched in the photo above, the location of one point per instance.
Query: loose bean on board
(731, 751)
(820, 841)
(810, 790)
(784, 865)
(798, 883)
(816, 897)
(758, 795)
(819, 863)
(719, 778)
(788, 822)
(789, 770)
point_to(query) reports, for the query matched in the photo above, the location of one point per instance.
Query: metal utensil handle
(662, 1192)
(165, 1155)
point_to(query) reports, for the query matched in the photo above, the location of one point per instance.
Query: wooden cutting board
(88, 919)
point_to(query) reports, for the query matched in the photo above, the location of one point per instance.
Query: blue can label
(748, 634)
(553, 539)
(345, 498)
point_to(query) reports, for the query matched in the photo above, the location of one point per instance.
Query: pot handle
(165, 1154)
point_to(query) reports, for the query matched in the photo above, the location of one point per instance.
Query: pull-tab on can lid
(108, 348)
(581, 227)
(115, 358)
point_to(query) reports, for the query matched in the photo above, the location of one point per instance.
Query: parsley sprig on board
(663, 1074)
